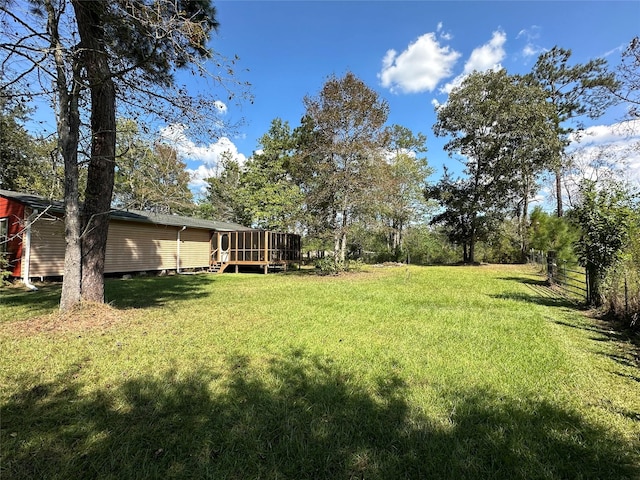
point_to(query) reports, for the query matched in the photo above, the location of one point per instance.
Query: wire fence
(568, 277)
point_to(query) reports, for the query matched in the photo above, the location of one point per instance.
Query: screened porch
(254, 247)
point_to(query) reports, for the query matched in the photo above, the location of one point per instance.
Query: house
(32, 236)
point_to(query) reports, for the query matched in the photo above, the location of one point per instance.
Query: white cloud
(607, 151)
(443, 35)
(197, 184)
(208, 155)
(530, 48)
(420, 67)
(529, 34)
(602, 134)
(483, 58)
(446, 36)
(221, 106)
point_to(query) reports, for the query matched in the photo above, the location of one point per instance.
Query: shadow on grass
(33, 303)
(602, 330)
(540, 293)
(138, 292)
(304, 418)
(144, 292)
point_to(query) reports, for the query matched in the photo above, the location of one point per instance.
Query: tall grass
(438, 372)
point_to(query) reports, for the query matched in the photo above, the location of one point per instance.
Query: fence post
(626, 296)
(588, 285)
(551, 266)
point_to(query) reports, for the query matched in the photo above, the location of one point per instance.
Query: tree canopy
(575, 91)
(502, 127)
(341, 152)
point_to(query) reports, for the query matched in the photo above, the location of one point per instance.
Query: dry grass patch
(85, 317)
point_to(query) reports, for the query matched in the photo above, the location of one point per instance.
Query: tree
(343, 139)
(28, 164)
(500, 126)
(92, 23)
(574, 91)
(530, 139)
(224, 200)
(401, 183)
(129, 48)
(465, 217)
(605, 217)
(149, 176)
(550, 232)
(272, 200)
(16, 145)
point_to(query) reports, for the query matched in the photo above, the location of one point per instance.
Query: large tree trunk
(100, 176)
(343, 246)
(472, 241)
(72, 279)
(68, 126)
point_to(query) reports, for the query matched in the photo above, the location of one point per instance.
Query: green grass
(432, 372)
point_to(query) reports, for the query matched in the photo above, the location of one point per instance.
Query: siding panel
(47, 248)
(194, 248)
(135, 247)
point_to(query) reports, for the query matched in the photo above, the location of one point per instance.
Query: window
(4, 234)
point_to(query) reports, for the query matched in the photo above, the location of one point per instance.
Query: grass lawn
(391, 373)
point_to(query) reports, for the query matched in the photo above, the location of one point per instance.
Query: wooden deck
(261, 248)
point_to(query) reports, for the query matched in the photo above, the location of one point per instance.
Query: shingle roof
(40, 203)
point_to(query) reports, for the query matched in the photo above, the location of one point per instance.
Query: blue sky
(410, 53)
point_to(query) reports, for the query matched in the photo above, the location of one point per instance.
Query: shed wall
(131, 247)
(194, 248)
(47, 247)
(135, 247)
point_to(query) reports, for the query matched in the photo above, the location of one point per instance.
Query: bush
(332, 266)
(329, 266)
(621, 285)
(5, 273)
(426, 246)
(502, 246)
(549, 232)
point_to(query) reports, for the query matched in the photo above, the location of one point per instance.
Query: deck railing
(264, 247)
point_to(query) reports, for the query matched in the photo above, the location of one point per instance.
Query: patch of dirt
(85, 317)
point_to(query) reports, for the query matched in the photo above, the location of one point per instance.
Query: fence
(569, 278)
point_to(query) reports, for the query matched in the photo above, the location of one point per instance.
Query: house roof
(40, 203)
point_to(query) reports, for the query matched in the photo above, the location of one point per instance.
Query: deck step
(217, 267)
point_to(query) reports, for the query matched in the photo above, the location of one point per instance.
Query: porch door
(224, 247)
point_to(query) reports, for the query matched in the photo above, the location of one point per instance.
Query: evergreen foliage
(606, 218)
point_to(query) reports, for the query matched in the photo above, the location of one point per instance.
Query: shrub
(606, 217)
(332, 266)
(621, 285)
(4, 269)
(329, 266)
(549, 232)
